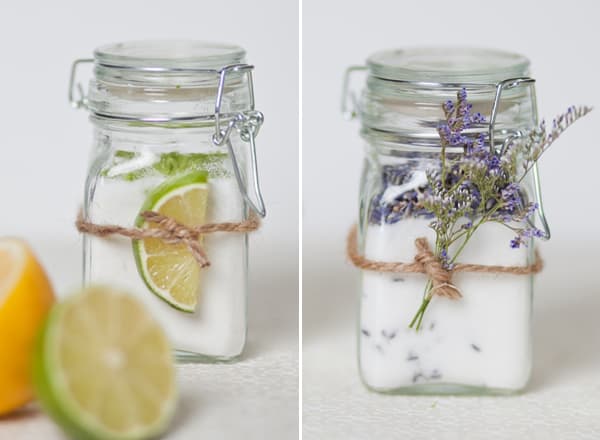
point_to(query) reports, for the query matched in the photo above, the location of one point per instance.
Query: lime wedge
(170, 270)
(103, 368)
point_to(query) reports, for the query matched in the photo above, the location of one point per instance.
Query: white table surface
(255, 398)
(561, 402)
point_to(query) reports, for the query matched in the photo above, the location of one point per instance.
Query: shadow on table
(24, 413)
(187, 407)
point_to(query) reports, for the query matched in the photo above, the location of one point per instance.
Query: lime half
(170, 270)
(103, 368)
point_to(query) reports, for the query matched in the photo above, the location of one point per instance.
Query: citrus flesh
(103, 367)
(170, 270)
(26, 296)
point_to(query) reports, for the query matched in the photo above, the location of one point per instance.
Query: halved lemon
(170, 270)
(103, 367)
(26, 296)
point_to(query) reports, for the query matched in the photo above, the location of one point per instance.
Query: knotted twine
(427, 263)
(170, 231)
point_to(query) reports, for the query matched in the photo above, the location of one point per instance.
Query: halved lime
(170, 270)
(103, 368)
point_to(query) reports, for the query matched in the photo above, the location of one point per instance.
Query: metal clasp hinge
(81, 100)
(350, 105)
(508, 84)
(248, 125)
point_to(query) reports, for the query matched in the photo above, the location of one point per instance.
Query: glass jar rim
(169, 80)
(168, 55)
(401, 102)
(458, 65)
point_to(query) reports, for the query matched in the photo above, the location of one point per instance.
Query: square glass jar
(481, 342)
(174, 134)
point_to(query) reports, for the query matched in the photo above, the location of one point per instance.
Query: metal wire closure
(247, 123)
(508, 84)
(349, 99)
(81, 101)
(351, 112)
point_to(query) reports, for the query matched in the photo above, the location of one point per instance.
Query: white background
(561, 40)
(43, 160)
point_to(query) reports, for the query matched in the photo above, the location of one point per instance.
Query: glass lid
(405, 90)
(166, 80)
(169, 54)
(447, 65)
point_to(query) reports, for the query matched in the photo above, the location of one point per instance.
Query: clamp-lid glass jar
(174, 130)
(480, 342)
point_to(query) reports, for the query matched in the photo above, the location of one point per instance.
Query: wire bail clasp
(81, 100)
(508, 84)
(248, 124)
(350, 105)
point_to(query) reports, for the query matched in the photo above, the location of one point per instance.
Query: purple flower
(457, 139)
(532, 233)
(445, 260)
(448, 106)
(532, 208)
(396, 175)
(458, 118)
(524, 236)
(480, 141)
(477, 118)
(445, 132)
(493, 162)
(510, 191)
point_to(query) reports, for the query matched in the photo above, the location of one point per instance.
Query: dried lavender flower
(482, 185)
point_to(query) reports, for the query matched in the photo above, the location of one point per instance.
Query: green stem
(457, 184)
(504, 224)
(443, 166)
(457, 237)
(426, 303)
(484, 219)
(421, 311)
(418, 318)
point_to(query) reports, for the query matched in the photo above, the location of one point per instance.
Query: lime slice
(170, 270)
(103, 368)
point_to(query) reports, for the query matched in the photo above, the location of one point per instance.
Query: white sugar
(480, 340)
(218, 326)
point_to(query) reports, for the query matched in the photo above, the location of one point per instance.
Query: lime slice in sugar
(170, 270)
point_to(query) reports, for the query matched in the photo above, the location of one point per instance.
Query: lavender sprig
(481, 185)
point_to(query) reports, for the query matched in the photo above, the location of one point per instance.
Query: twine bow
(427, 263)
(441, 278)
(170, 231)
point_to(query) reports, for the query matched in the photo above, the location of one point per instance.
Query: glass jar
(174, 128)
(480, 343)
